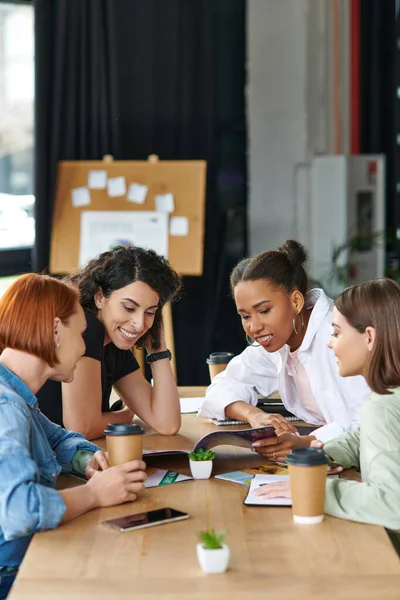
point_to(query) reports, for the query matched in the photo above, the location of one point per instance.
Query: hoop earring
(250, 342)
(302, 324)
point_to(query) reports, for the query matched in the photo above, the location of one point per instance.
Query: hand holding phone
(146, 519)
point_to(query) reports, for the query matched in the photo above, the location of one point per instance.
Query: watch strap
(150, 358)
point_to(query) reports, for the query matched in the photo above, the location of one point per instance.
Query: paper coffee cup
(124, 443)
(307, 472)
(217, 362)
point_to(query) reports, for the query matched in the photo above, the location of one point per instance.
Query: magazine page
(241, 437)
(150, 453)
(246, 475)
(159, 477)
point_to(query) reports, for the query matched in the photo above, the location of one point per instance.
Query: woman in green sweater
(366, 341)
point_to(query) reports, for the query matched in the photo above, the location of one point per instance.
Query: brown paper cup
(307, 473)
(215, 369)
(307, 486)
(217, 362)
(124, 445)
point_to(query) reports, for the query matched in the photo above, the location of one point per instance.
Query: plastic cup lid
(307, 457)
(123, 429)
(218, 358)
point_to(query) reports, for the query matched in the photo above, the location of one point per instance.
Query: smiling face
(267, 313)
(351, 348)
(71, 345)
(127, 314)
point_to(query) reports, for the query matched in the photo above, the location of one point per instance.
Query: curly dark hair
(117, 268)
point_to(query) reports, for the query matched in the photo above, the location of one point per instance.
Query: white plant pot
(201, 469)
(213, 561)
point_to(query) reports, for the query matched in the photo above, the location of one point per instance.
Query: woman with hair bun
(287, 325)
(122, 292)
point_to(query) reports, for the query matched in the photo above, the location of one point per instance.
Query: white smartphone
(146, 519)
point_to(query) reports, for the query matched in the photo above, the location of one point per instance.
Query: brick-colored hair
(27, 312)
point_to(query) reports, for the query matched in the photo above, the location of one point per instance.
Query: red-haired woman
(41, 327)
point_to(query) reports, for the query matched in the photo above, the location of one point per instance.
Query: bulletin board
(185, 180)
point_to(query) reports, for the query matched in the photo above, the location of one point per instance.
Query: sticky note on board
(165, 203)
(116, 186)
(137, 193)
(179, 226)
(80, 197)
(97, 179)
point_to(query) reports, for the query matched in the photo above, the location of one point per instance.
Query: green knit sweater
(373, 449)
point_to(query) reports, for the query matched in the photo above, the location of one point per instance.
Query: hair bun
(294, 251)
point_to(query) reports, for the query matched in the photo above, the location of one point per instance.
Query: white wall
(297, 106)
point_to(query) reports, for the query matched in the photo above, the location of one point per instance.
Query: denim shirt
(33, 452)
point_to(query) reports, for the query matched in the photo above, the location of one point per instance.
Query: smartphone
(146, 519)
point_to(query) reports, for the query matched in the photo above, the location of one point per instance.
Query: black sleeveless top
(115, 364)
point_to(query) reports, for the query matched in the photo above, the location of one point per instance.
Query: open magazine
(157, 477)
(241, 437)
(245, 476)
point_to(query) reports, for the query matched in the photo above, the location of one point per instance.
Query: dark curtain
(74, 96)
(136, 77)
(379, 58)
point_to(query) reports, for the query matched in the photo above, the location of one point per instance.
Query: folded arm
(157, 405)
(82, 402)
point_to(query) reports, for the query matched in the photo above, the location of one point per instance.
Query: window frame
(16, 260)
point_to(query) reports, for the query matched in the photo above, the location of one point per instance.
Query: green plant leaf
(201, 454)
(211, 539)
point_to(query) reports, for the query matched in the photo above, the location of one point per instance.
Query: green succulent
(211, 539)
(201, 454)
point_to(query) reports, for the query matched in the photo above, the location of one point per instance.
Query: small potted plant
(212, 553)
(201, 463)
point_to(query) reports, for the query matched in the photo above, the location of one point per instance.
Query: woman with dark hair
(122, 293)
(287, 326)
(366, 342)
(33, 451)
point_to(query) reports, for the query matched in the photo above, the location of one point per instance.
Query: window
(17, 225)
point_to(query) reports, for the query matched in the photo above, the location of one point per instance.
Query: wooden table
(271, 557)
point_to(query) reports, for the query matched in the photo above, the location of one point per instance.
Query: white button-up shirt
(258, 372)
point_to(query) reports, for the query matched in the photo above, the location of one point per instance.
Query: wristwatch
(150, 358)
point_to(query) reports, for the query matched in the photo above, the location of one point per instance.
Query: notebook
(227, 422)
(275, 405)
(260, 480)
(190, 405)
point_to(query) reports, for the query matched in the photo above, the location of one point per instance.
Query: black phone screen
(147, 519)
